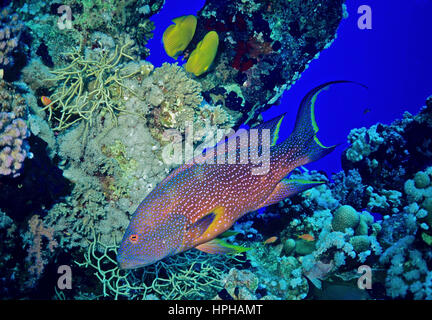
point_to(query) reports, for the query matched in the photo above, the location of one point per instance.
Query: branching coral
(191, 275)
(35, 258)
(87, 87)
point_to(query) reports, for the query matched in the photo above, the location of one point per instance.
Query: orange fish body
(271, 240)
(45, 100)
(202, 199)
(307, 237)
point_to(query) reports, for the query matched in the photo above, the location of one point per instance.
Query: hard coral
(387, 155)
(11, 100)
(13, 146)
(419, 195)
(11, 29)
(265, 46)
(345, 217)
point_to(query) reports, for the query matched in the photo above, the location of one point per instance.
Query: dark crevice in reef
(38, 187)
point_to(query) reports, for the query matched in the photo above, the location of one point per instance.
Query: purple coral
(10, 33)
(13, 147)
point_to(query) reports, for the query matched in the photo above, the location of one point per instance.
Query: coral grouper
(200, 200)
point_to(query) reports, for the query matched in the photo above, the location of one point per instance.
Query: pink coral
(10, 33)
(35, 256)
(13, 147)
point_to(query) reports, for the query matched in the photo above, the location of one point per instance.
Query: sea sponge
(345, 217)
(288, 246)
(360, 243)
(178, 35)
(366, 219)
(421, 180)
(427, 205)
(304, 247)
(203, 55)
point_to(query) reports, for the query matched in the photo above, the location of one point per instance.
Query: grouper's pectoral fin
(208, 227)
(200, 226)
(204, 227)
(219, 246)
(287, 188)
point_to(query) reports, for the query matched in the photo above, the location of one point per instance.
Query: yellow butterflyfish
(177, 36)
(203, 55)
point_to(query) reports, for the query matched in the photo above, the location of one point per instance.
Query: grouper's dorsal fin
(287, 188)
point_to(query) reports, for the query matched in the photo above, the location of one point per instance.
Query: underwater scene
(215, 150)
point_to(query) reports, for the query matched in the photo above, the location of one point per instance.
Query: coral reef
(405, 144)
(11, 30)
(11, 100)
(87, 87)
(191, 275)
(339, 238)
(13, 145)
(264, 47)
(99, 114)
(52, 36)
(35, 258)
(419, 196)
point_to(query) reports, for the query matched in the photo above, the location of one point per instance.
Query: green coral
(422, 180)
(419, 196)
(304, 247)
(345, 217)
(360, 243)
(191, 275)
(363, 143)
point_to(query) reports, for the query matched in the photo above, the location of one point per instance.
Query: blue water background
(393, 60)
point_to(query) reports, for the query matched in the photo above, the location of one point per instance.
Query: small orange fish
(307, 237)
(270, 240)
(45, 100)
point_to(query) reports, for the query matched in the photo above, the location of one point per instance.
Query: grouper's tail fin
(303, 143)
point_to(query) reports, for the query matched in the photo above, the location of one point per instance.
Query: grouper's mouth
(128, 264)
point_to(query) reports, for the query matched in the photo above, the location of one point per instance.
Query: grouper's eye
(133, 238)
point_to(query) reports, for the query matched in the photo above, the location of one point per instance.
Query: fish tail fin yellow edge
(306, 128)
